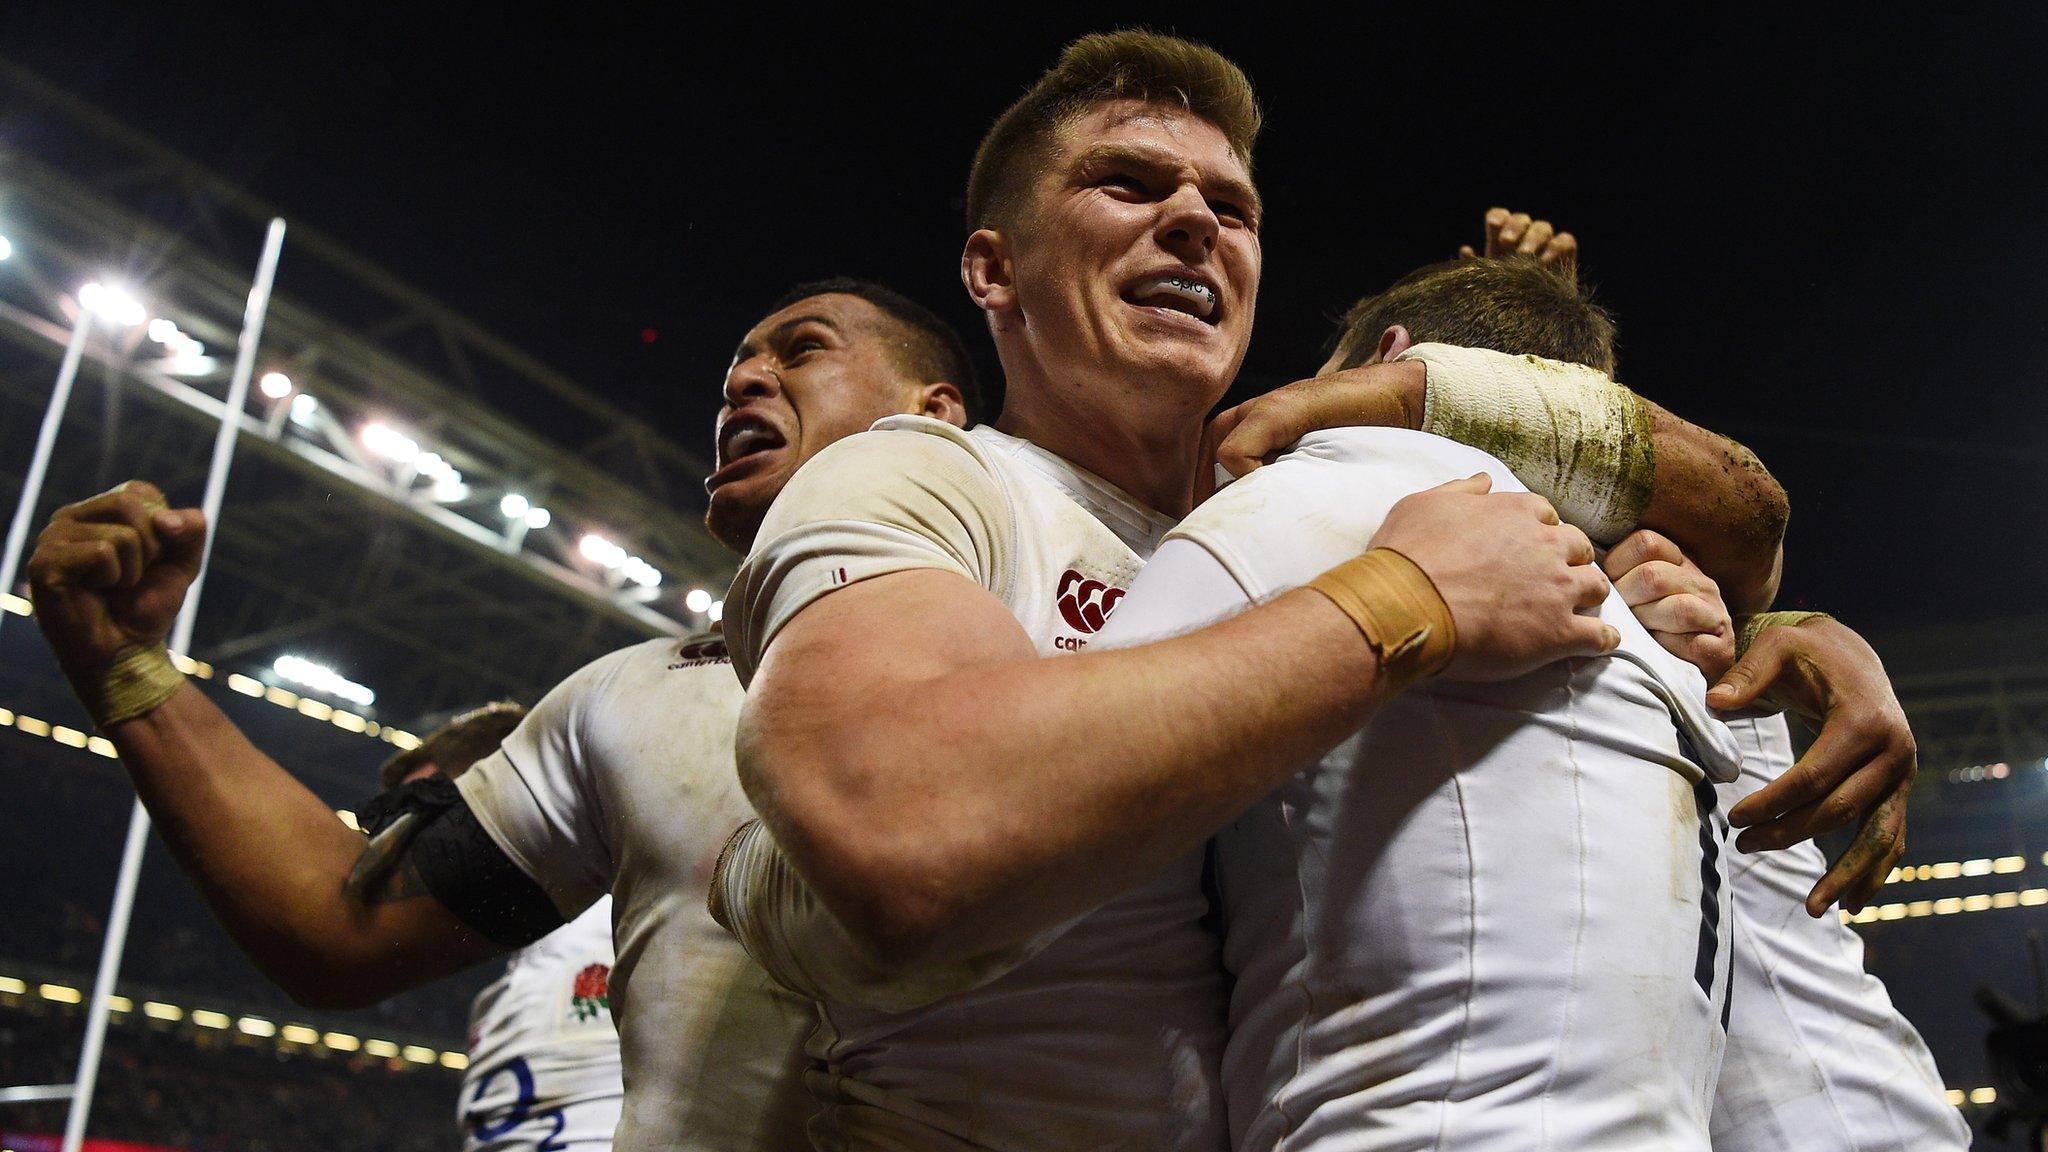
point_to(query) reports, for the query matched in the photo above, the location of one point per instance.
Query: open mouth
(744, 435)
(1182, 292)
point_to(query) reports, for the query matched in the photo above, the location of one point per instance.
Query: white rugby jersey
(1495, 916)
(622, 780)
(1818, 1059)
(1109, 1037)
(543, 1053)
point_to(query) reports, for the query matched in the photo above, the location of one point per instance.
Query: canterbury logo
(1084, 603)
(700, 650)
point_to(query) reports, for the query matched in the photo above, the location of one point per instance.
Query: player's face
(1140, 256)
(817, 371)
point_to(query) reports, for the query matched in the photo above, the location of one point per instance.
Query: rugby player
(939, 797)
(1466, 951)
(543, 1053)
(620, 780)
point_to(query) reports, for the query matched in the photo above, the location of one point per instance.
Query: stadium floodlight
(717, 611)
(390, 443)
(6, 247)
(112, 304)
(599, 550)
(513, 506)
(538, 517)
(162, 330)
(275, 385)
(321, 678)
(304, 408)
(698, 600)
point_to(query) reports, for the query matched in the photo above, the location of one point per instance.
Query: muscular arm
(270, 858)
(947, 792)
(108, 575)
(1721, 506)
(1708, 494)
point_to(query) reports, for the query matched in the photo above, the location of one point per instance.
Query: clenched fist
(111, 572)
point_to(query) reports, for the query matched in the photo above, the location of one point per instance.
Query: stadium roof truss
(328, 536)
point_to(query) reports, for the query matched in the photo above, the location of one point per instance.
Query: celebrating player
(620, 780)
(1443, 964)
(957, 803)
(1817, 1057)
(543, 1053)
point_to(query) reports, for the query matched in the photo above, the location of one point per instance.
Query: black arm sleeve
(473, 878)
(461, 866)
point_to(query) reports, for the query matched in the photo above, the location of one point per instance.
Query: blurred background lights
(538, 517)
(304, 408)
(112, 304)
(717, 611)
(513, 506)
(698, 600)
(321, 678)
(390, 443)
(275, 385)
(6, 247)
(600, 550)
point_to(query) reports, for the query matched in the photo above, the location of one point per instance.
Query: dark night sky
(1821, 233)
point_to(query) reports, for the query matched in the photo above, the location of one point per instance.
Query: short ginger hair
(1128, 65)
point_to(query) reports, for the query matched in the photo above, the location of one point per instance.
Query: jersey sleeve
(757, 895)
(536, 799)
(909, 496)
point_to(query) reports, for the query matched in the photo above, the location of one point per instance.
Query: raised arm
(107, 577)
(946, 791)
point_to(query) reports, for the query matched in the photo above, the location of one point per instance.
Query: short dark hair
(1513, 305)
(456, 745)
(1131, 64)
(934, 351)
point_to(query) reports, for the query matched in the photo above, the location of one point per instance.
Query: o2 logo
(484, 1128)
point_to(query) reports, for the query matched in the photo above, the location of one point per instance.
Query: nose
(751, 379)
(1187, 226)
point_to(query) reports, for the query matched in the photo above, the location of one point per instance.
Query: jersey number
(521, 1110)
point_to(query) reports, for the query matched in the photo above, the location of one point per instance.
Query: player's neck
(1151, 460)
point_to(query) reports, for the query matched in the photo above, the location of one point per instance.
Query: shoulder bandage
(1571, 434)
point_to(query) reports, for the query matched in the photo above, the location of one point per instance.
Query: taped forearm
(1567, 431)
(757, 895)
(1750, 627)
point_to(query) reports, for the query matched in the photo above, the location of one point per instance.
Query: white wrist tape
(1567, 431)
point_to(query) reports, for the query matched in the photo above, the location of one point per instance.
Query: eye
(803, 346)
(1231, 211)
(1122, 182)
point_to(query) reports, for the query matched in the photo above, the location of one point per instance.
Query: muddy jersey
(621, 780)
(543, 1053)
(1494, 917)
(1109, 1037)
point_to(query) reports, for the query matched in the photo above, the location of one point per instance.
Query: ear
(1394, 341)
(942, 401)
(990, 276)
